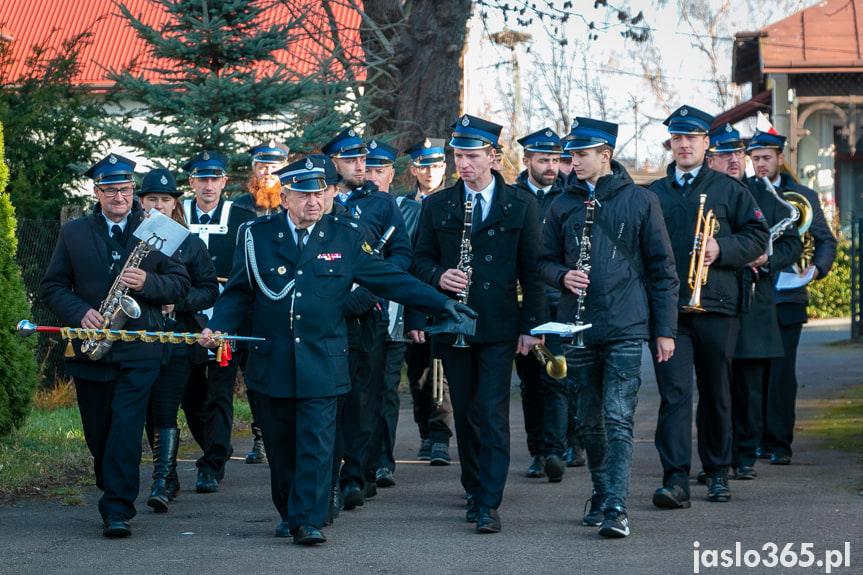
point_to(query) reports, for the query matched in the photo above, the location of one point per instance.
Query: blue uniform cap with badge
(207, 165)
(331, 175)
(380, 154)
(270, 152)
(689, 120)
(762, 140)
(112, 169)
(544, 141)
(725, 138)
(306, 175)
(159, 181)
(428, 152)
(589, 133)
(346, 145)
(472, 133)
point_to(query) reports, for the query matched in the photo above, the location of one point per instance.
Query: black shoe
(537, 467)
(308, 535)
(701, 477)
(116, 525)
(554, 468)
(336, 504)
(473, 507)
(283, 530)
(424, 452)
(615, 525)
(671, 497)
(488, 521)
(574, 457)
(352, 496)
(384, 477)
(593, 517)
(258, 454)
(440, 454)
(779, 459)
(207, 482)
(763, 453)
(717, 489)
(158, 499)
(745, 472)
(370, 489)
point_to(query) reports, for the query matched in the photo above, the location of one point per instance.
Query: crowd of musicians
(341, 283)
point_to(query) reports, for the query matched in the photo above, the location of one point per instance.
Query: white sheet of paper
(561, 329)
(788, 280)
(165, 234)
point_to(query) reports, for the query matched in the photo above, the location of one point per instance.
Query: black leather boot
(336, 503)
(158, 499)
(258, 454)
(171, 439)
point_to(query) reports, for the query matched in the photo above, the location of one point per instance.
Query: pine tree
(220, 77)
(18, 377)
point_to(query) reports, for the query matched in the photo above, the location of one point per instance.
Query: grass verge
(838, 421)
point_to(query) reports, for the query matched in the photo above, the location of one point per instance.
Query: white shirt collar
(201, 212)
(536, 189)
(678, 173)
(112, 224)
(487, 194)
(293, 227)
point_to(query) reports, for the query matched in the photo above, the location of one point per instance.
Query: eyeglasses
(125, 192)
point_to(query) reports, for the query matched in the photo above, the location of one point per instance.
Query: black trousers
(545, 402)
(479, 379)
(387, 414)
(112, 415)
(298, 437)
(705, 341)
(209, 406)
(434, 421)
(747, 408)
(168, 390)
(779, 405)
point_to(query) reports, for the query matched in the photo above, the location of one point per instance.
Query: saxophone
(583, 263)
(465, 257)
(118, 306)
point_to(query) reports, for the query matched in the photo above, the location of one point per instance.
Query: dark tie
(540, 194)
(205, 219)
(477, 211)
(117, 234)
(687, 178)
(301, 234)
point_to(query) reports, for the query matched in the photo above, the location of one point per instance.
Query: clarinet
(465, 256)
(583, 263)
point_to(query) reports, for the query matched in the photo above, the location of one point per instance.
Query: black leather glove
(456, 311)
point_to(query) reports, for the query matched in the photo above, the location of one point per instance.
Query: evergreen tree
(17, 362)
(219, 79)
(48, 121)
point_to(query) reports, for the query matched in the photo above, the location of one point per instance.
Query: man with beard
(262, 199)
(544, 399)
(708, 323)
(765, 150)
(378, 212)
(208, 399)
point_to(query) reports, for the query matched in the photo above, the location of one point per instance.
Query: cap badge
(373, 144)
(309, 164)
(465, 121)
(205, 156)
(112, 159)
(684, 111)
(351, 133)
(164, 180)
(574, 124)
(548, 133)
(271, 143)
(426, 143)
(728, 128)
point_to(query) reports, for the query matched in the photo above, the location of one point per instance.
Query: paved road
(418, 526)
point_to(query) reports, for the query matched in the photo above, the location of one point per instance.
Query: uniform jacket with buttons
(742, 233)
(619, 303)
(305, 354)
(505, 248)
(83, 269)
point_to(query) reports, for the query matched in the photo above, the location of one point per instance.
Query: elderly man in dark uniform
(376, 211)
(545, 400)
(708, 325)
(502, 252)
(209, 397)
(819, 251)
(293, 270)
(759, 338)
(113, 392)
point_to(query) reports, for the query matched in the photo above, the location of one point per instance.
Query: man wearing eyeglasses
(113, 391)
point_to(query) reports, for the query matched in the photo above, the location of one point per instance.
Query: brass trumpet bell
(555, 365)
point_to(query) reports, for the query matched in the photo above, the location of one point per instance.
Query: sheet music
(788, 280)
(561, 329)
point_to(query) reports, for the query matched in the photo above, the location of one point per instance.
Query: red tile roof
(822, 38)
(115, 43)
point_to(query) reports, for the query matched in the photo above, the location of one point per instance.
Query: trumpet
(705, 227)
(555, 365)
(437, 382)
